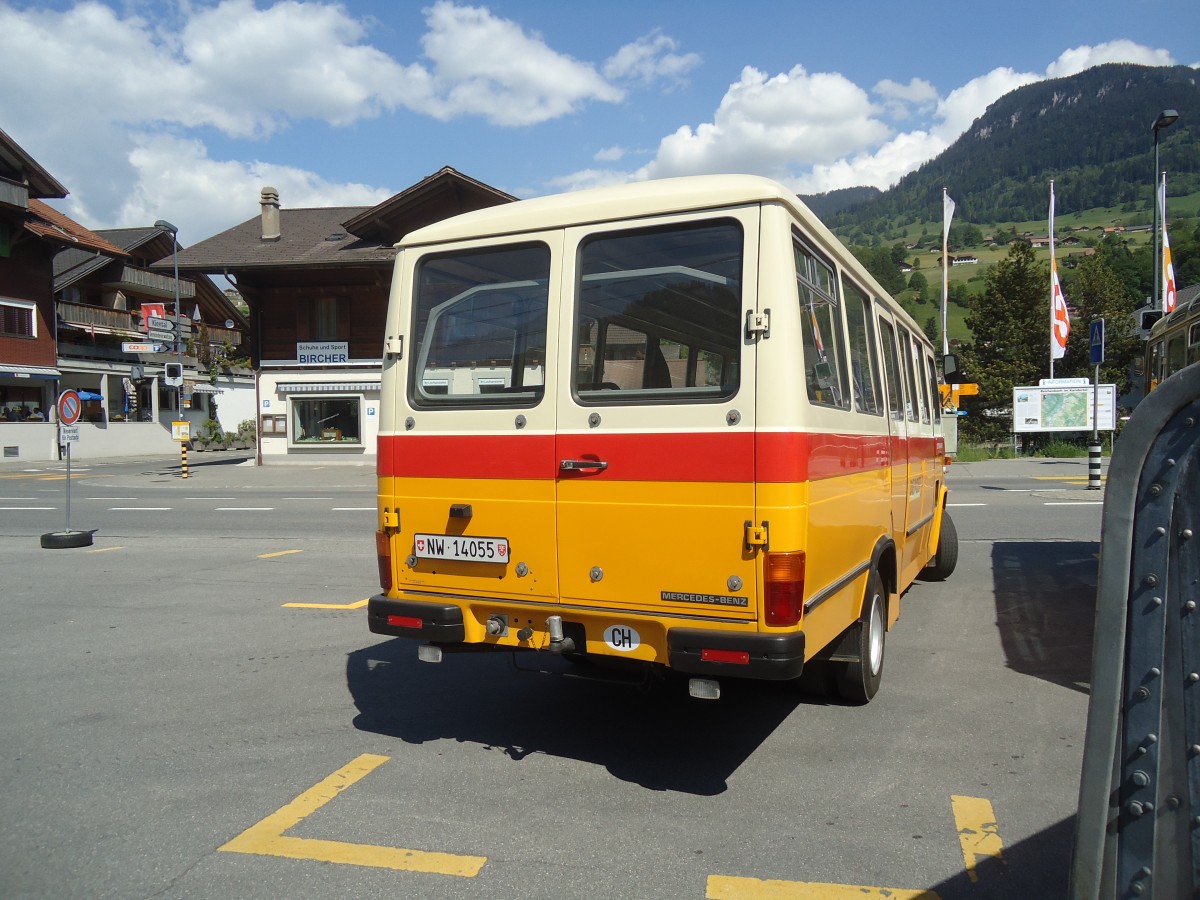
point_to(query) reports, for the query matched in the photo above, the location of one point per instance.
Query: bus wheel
(945, 560)
(859, 681)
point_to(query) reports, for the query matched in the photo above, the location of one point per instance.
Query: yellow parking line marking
(358, 604)
(978, 832)
(725, 887)
(105, 549)
(278, 553)
(267, 838)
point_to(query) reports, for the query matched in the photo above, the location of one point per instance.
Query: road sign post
(68, 407)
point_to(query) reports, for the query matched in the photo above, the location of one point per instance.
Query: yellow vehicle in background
(673, 424)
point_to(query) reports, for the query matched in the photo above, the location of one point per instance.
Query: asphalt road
(193, 707)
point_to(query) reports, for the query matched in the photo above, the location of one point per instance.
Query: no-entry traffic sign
(69, 407)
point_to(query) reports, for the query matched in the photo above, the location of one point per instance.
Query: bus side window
(921, 381)
(1193, 352)
(931, 383)
(891, 371)
(864, 368)
(1176, 353)
(821, 330)
(912, 408)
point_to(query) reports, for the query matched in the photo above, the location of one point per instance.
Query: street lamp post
(1165, 119)
(167, 226)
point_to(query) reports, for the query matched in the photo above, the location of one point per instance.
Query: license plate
(458, 546)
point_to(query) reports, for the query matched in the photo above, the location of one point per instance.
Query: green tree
(1095, 292)
(931, 330)
(919, 283)
(1010, 322)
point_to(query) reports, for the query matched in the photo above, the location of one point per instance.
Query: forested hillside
(1090, 132)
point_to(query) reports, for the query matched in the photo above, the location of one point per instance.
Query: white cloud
(609, 154)
(176, 180)
(899, 98)
(771, 125)
(1075, 60)
(490, 67)
(651, 58)
(135, 86)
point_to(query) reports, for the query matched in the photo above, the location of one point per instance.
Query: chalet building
(103, 303)
(69, 298)
(317, 284)
(30, 235)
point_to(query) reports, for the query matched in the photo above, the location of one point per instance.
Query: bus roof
(641, 199)
(624, 201)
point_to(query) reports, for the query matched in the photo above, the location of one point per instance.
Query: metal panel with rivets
(1138, 829)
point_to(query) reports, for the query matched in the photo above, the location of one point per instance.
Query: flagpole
(947, 215)
(1051, 277)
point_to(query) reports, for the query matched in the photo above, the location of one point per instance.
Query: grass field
(1181, 210)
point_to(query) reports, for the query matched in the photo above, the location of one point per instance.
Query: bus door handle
(577, 465)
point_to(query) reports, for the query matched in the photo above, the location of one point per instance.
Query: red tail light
(785, 587)
(383, 553)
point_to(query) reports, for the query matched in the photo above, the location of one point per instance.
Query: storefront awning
(29, 371)
(327, 387)
(206, 389)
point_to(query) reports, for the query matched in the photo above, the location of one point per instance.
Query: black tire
(858, 681)
(62, 540)
(945, 561)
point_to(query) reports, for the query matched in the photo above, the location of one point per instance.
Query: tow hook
(558, 643)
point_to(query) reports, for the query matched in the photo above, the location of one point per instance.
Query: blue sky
(184, 110)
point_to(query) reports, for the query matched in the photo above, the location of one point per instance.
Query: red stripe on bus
(779, 457)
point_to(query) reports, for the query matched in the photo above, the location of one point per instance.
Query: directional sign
(159, 324)
(156, 335)
(142, 347)
(69, 407)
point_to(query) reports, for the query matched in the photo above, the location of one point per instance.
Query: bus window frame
(601, 391)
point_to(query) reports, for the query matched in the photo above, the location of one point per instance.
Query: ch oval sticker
(622, 637)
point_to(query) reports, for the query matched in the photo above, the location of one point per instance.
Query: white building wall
(281, 390)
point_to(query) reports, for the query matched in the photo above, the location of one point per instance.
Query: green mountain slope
(1089, 132)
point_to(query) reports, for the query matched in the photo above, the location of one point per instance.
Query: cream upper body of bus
(672, 423)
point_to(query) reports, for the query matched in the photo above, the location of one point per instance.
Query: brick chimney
(269, 198)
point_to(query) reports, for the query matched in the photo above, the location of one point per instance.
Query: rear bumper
(441, 623)
(773, 657)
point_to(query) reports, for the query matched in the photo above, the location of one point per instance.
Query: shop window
(325, 421)
(273, 425)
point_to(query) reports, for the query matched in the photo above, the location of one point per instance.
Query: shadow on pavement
(1045, 595)
(659, 738)
(1037, 867)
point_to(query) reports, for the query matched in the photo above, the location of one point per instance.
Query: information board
(1044, 408)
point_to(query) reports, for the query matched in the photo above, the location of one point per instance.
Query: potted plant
(247, 434)
(208, 435)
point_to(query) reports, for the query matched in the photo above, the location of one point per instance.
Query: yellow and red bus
(1174, 341)
(672, 423)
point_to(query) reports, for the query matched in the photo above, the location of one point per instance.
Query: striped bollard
(183, 457)
(1093, 467)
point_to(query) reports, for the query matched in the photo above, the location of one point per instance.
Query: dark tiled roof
(445, 193)
(306, 240)
(341, 235)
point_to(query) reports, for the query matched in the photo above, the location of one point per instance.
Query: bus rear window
(659, 314)
(480, 329)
